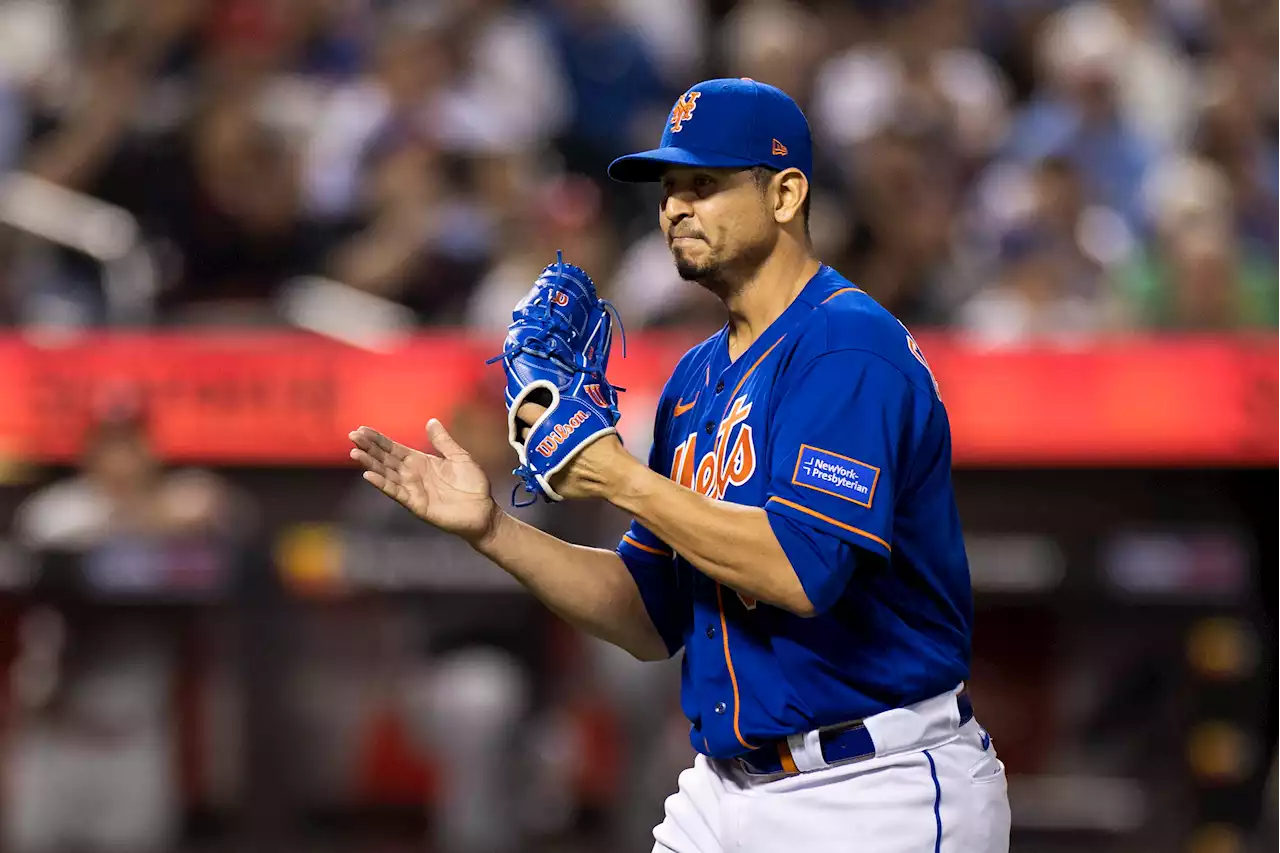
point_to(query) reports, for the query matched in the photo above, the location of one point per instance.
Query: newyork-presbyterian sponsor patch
(836, 475)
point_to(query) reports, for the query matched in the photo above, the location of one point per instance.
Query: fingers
(381, 467)
(526, 416)
(442, 441)
(387, 472)
(395, 491)
(530, 412)
(378, 445)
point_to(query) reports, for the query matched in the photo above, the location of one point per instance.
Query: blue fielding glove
(556, 354)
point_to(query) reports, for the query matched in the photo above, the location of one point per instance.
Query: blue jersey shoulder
(846, 319)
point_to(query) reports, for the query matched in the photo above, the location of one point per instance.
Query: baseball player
(795, 531)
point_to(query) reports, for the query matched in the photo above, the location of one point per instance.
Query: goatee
(690, 271)
(705, 275)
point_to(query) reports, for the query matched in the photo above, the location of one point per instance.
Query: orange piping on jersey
(830, 520)
(840, 291)
(737, 387)
(626, 537)
(733, 679)
(784, 753)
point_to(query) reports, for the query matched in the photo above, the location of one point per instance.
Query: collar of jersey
(809, 297)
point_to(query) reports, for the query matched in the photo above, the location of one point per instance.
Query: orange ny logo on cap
(683, 110)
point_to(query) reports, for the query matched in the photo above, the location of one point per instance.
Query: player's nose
(675, 207)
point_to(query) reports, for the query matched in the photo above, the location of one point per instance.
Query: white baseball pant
(933, 786)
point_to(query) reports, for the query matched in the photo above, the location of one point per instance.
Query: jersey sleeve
(652, 565)
(833, 465)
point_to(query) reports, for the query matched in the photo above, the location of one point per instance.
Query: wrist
(629, 481)
(484, 542)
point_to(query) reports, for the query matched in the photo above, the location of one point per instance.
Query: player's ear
(791, 188)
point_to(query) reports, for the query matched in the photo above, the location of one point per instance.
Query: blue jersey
(833, 423)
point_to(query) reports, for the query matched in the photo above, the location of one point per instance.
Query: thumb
(442, 441)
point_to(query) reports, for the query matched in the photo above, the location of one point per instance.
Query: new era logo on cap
(740, 123)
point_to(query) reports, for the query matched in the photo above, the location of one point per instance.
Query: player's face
(716, 222)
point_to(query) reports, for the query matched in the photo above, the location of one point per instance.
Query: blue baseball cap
(733, 123)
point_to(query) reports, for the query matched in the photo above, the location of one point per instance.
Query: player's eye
(704, 183)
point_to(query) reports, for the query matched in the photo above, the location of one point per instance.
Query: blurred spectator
(1031, 297)
(1233, 137)
(1077, 112)
(563, 213)
(922, 67)
(82, 133)
(674, 33)
(93, 762)
(902, 198)
(418, 237)
(1086, 238)
(619, 99)
(1197, 273)
(508, 92)
(123, 491)
(1062, 209)
(1156, 81)
(232, 216)
(409, 63)
(774, 41)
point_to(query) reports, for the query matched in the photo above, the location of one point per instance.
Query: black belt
(840, 743)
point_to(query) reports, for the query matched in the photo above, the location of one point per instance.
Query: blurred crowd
(1012, 168)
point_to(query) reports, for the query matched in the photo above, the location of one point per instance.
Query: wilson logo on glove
(556, 354)
(559, 433)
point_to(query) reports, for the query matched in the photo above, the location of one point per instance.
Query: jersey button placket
(721, 708)
(720, 386)
(711, 632)
(710, 427)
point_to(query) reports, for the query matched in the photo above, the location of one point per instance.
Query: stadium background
(231, 230)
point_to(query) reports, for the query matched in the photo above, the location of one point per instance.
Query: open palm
(449, 491)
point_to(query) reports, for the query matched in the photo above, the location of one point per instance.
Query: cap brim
(648, 166)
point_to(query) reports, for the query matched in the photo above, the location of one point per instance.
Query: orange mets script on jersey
(562, 431)
(729, 463)
(683, 110)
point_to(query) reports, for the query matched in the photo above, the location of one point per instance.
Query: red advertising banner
(290, 398)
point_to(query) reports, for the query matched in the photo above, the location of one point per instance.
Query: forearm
(588, 587)
(732, 544)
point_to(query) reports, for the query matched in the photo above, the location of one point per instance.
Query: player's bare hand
(595, 472)
(449, 491)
